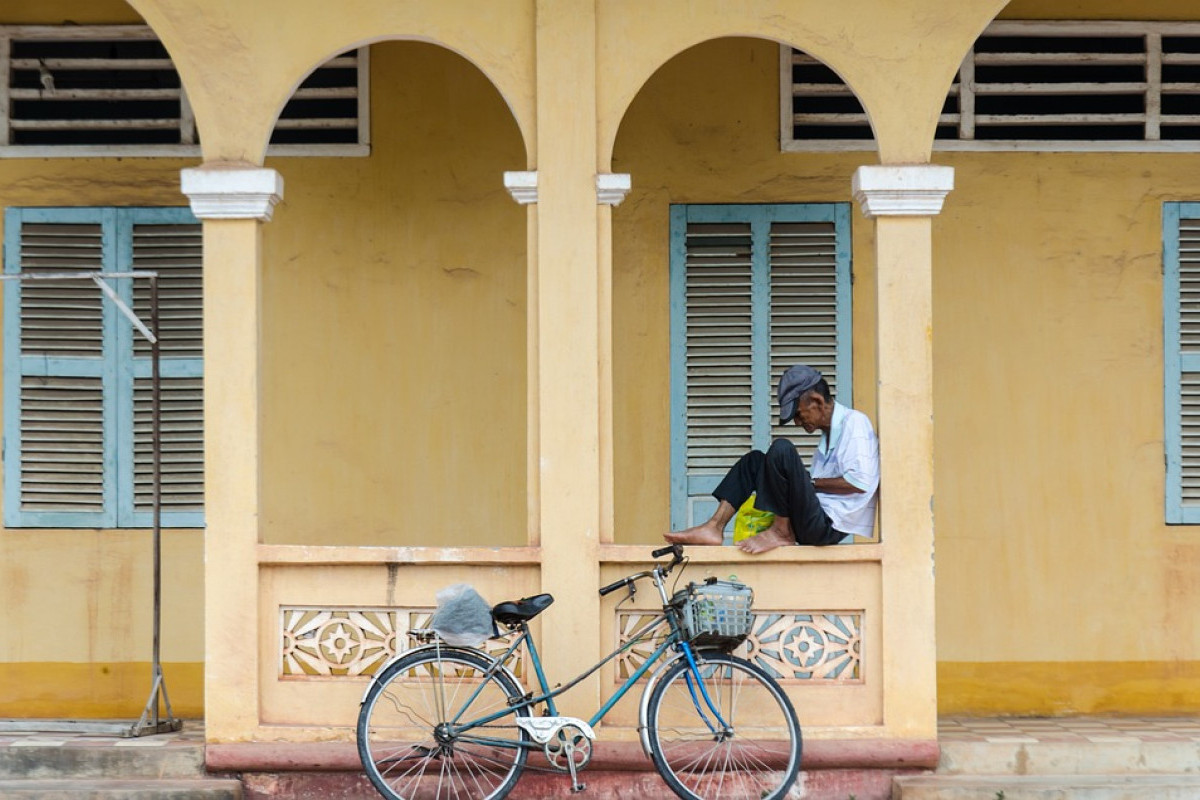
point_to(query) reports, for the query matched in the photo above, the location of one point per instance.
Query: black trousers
(782, 486)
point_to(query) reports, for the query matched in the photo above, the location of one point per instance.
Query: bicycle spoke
(741, 762)
(409, 737)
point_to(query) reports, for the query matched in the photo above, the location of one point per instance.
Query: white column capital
(232, 192)
(523, 186)
(911, 190)
(611, 187)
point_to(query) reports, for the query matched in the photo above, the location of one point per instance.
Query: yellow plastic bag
(750, 521)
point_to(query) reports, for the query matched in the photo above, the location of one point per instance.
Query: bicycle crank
(566, 742)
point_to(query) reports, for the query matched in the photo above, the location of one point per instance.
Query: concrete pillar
(565, 314)
(902, 200)
(232, 203)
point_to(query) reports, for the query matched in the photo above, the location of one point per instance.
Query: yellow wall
(394, 375)
(79, 602)
(1051, 542)
(1059, 587)
(395, 367)
(394, 323)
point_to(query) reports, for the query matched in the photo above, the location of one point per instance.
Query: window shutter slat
(62, 444)
(175, 252)
(718, 342)
(182, 415)
(61, 318)
(803, 316)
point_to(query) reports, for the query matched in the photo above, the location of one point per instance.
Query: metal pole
(150, 721)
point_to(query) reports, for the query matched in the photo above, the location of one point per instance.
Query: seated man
(838, 499)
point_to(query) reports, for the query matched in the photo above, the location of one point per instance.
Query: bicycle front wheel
(415, 733)
(750, 752)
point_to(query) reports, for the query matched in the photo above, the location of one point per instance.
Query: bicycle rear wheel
(408, 737)
(756, 757)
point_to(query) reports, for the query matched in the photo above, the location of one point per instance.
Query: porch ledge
(638, 553)
(344, 555)
(333, 555)
(608, 756)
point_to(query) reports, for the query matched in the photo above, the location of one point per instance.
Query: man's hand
(838, 485)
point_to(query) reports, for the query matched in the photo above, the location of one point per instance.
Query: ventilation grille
(182, 414)
(1034, 83)
(718, 341)
(115, 87)
(61, 318)
(62, 444)
(175, 252)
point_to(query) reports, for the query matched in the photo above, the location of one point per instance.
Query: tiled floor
(1083, 730)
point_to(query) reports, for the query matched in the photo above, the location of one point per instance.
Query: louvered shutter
(804, 310)
(173, 251)
(1181, 348)
(58, 428)
(755, 289)
(76, 395)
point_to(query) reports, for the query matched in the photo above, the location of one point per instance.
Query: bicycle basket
(716, 614)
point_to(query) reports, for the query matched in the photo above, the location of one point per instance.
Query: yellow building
(447, 250)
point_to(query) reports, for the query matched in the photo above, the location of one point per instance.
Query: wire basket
(715, 614)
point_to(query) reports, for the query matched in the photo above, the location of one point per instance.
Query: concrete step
(78, 759)
(1047, 787)
(1116, 757)
(94, 789)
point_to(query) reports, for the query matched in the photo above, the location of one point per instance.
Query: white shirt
(851, 451)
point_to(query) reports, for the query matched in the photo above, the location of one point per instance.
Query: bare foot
(708, 533)
(772, 537)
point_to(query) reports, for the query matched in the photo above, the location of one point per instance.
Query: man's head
(804, 398)
(814, 408)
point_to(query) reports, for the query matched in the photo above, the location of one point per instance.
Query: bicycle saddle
(523, 610)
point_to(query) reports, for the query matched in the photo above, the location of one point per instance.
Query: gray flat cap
(795, 382)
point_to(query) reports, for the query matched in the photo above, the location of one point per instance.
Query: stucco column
(902, 200)
(232, 202)
(567, 339)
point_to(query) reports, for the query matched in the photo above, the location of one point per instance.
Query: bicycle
(442, 722)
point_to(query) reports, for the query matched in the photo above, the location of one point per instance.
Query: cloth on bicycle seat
(523, 610)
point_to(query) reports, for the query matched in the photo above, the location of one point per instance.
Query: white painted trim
(916, 190)
(611, 187)
(232, 192)
(523, 186)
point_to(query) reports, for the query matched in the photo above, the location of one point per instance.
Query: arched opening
(394, 322)
(702, 138)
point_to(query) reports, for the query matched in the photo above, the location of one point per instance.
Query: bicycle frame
(544, 694)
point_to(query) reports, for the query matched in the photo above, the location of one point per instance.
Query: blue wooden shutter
(76, 393)
(167, 241)
(1181, 360)
(754, 290)
(60, 423)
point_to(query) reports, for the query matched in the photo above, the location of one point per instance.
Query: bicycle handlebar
(674, 550)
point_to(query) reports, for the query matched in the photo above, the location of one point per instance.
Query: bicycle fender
(443, 648)
(645, 701)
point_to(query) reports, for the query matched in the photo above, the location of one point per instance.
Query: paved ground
(1028, 730)
(1081, 730)
(191, 735)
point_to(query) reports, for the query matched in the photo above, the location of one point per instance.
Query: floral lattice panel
(802, 646)
(337, 642)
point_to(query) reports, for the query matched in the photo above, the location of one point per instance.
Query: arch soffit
(236, 116)
(902, 86)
